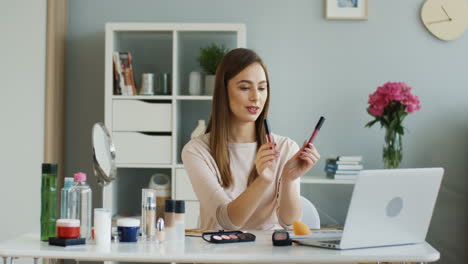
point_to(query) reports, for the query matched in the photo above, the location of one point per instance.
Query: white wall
(22, 86)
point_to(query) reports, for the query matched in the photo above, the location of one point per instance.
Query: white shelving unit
(149, 132)
(307, 179)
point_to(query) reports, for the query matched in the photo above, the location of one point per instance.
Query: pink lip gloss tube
(316, 130)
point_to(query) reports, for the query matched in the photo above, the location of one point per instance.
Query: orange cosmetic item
(301, 229)
(68, 228)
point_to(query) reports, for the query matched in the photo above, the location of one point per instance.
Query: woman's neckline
(242, 144)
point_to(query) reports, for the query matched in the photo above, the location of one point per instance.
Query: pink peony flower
(375, 111)
(392, 94)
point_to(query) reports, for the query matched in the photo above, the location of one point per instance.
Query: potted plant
(209, 59)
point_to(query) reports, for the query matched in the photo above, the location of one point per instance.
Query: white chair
(310, 215)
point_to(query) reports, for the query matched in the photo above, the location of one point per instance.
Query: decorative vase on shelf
(199, 130)
(389, 105)
(209, 84)
(393, 149)
(195, 83)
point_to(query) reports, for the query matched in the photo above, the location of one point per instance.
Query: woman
(241, 180)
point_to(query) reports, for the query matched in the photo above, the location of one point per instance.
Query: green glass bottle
(48, 201)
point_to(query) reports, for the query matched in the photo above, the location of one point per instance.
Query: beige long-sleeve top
(214, 199)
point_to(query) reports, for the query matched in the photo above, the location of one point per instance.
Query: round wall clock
(445, 19)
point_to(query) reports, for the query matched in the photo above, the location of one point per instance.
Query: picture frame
(346, 9)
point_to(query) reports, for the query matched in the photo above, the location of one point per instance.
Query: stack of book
(124, 80)
(343, 167)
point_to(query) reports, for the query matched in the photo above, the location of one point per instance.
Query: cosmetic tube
(102, 227)
(179, 220)
(160, 230)
(148, 214)
(169, 219)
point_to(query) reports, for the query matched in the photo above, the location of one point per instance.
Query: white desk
(194, 249)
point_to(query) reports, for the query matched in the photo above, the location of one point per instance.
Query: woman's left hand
(301, 162)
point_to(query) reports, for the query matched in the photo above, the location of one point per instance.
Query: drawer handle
(156, 133)
(155, 101)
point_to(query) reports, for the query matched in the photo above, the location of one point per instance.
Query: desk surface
(194, 249)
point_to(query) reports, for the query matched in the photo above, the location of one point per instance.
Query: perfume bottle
(148, 214)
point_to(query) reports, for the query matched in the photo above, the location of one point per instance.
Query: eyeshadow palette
(228, 237)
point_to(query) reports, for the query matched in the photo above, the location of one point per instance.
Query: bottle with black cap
(169, 219)
(179, 220)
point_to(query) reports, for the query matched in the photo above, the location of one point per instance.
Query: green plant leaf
(210, 57)
(371, 123)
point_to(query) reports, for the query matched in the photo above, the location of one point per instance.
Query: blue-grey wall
(317, 67)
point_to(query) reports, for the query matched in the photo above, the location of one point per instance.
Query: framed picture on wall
(346, 9)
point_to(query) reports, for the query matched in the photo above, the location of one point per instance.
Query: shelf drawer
(192, 214)
(139, 148)
(136, 115)
(183, 187)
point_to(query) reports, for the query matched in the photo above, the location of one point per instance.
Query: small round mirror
(103, 155)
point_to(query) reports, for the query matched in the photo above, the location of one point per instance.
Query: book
(119, 84)
(127, 67)
(335, 166)
(350, 158)
(335, 161)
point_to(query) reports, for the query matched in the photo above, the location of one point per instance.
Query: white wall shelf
(143, 97)
(133, 165)
(193, 97)
(149, 132)
(323, 180)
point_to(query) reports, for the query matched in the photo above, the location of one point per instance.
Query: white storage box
(183, 187)
(192, 214)
(137, 115)
(139, 148)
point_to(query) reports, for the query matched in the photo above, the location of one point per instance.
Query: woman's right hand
(265, 161)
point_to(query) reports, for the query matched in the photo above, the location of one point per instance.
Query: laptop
(388, 207)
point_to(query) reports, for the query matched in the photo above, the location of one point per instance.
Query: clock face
(445, 19)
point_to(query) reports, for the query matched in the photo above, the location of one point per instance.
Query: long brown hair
(232, 64)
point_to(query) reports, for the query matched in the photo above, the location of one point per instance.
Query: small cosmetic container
(68, 228)
(281, 238)
(102, 228)
(169, 219)
(148, 214)
(128, 229)
(179, 220)
(160, 234)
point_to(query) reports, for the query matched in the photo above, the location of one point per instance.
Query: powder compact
(227, 237)
(281, 238)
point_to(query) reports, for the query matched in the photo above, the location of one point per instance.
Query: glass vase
(393, 149)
